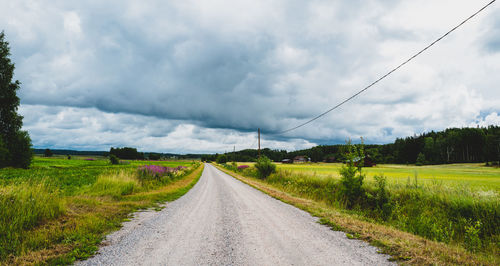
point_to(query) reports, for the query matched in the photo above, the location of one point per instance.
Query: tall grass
(116, 184)
(22, 208)
(437, 212)
(84, 198)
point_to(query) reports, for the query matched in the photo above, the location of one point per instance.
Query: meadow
(476, 176)
(457, 204)
(60, 209)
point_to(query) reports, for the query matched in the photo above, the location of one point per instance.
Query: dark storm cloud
(210, 69)
(187, 71)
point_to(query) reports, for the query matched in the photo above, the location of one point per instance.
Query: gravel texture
(222, 221)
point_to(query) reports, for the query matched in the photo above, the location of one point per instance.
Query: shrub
(472, 238)
(265, 167)
(382, 197)
(241, 167)
(21, 153)
(156, 173)
(113, 159)
(351, 176)
(221, 159)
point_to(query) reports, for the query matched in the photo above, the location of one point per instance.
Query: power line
(388, 73)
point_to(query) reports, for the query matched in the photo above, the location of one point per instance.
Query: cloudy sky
(201, 76)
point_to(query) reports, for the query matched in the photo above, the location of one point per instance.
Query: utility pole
(259, 143)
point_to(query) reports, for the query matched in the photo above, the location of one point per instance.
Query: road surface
(222, 221)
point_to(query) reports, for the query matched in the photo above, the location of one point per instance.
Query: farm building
(300, 159)
(287, 161)
(330, 159)
(367, 162)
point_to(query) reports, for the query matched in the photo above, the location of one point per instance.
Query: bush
(221, 159)
(351, 180)
(265, 167)
(241, 167)
(472, 238)
(113, 159)
(20, 151)
(156, 173)
(382, 197)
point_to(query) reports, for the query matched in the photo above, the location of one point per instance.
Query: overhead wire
(387, 74)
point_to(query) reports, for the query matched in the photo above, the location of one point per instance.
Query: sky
(202, 76)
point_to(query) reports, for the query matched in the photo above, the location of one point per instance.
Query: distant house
(287, 161)
(330, 159)
(300, 159)
(367, 162)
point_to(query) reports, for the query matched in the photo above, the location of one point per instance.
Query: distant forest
(454, 145)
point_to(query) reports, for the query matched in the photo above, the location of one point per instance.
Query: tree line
(453, 145)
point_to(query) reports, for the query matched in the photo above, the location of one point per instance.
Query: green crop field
(477, 176)
(58, 210)
(471, 175)
(458, 204)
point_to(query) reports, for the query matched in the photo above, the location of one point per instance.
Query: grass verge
(88, 217)
(404, 247)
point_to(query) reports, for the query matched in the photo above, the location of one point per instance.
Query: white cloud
(222, 68)
(91, 129)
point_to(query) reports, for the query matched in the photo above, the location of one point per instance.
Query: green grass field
(475, 176)
(59, 210)
(457, 204)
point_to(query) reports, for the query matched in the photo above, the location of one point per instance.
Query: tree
(316, 154)
(492, 148)
(351, 179)
(429, 150)
(127, 153)
(222, 158)
(420, 159)
(16, 148)
(4, 154)
(113, 159)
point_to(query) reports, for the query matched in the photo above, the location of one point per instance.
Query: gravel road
(222, 221)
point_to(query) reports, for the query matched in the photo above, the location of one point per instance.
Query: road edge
(403, 247)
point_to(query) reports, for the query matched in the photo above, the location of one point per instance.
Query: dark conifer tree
(15, 144)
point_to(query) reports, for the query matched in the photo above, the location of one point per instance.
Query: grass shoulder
(404, 247)
(88, 215)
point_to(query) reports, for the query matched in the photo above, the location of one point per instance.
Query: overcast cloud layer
(202, 76)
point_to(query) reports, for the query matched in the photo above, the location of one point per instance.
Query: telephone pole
(259, 142)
